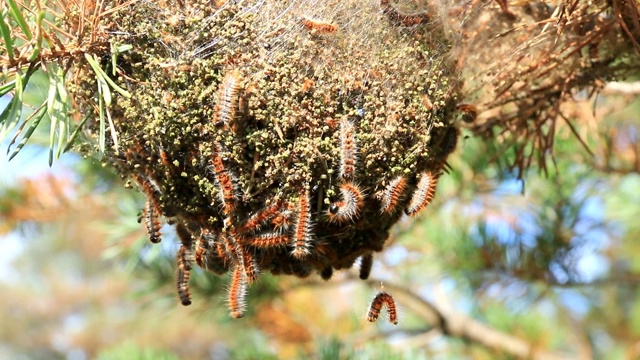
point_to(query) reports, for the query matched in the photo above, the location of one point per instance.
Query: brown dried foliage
(537, 56)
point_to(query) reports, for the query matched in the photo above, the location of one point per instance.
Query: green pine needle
(6, 35)
(73, 136)
(37, 116)
(101, 135)
(6, 88)
(38, 44)
(17, 16)
(10, 117)
(103, 76)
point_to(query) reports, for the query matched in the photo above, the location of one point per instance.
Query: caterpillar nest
(274, 142)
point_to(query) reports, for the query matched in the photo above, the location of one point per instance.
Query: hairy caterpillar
(225, 110)
(237, 293)
(392, 194)
(349, 207)
(381, 299)
(302, 228)
(318, 27)
(151, 222)
(423, 194)
(227, 183)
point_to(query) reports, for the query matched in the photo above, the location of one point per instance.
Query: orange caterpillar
(184, 263)
(254, 223)
(383, 298)
(426, 102)
(152, 190)
(183, 275)
(469, 112)
(204, 252)
(211, 255)
(239, 254)
(185, 236)
(227, 184)
(225, 110)
(151, 222)
(221, 252)
(348, 149)
(307, 85)
(282, 221)
(251, 269)
(269, 240)
(202, 247)
(366, 262)
(349, 207)
(237, 293)
(424, 193)
(166, 162)
(145, 179)
(393, 194)
(318, 27)
(218, 261)
(403, 19)
(234, 251)
(302, 228)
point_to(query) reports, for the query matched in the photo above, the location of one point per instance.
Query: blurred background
(497, 267)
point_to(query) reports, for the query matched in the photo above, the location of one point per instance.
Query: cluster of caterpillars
(243, 244)
(282, 236)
